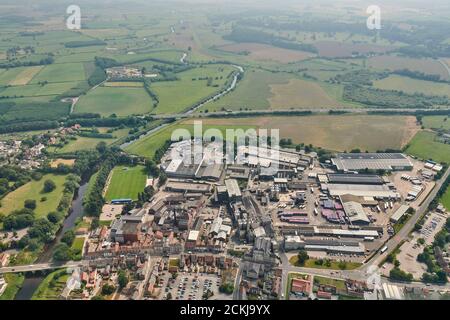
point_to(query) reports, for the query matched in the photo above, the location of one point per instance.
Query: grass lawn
(126, 182)
(77, 247)
(65, 72)
(436, 122)
(334, 265)
(52, 286)
(14, 281)
(33, 190)
(339, 284)
(115, 100)
(424, 146)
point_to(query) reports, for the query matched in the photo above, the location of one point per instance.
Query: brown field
(127, 84)
(334, 49)
(299, 94)
(338, 133)
(25, 76)
(428, 66)
(2, 56)
(67, 162)
(261, 52)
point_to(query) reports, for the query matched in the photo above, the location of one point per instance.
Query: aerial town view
(211, 150)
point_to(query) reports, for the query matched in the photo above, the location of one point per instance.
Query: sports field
(115, 100)
(126, 183)
(410, 85)
(425, 146)
(33, 191)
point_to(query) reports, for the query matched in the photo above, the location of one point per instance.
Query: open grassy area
(147, 146)
(14, 281)
(425, 146)
(115, 100)
(333, 265)
(126, 182)
(25, 76)
(412, 86)
(392, 63)
(339, 284)
(445, 200)
(33, 190)
(77, 247)
(52, 286)
(436, 122)
(191, 88)
(65, 72)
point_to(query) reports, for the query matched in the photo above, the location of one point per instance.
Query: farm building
(372, 161)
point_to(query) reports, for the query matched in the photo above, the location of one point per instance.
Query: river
(32, 282)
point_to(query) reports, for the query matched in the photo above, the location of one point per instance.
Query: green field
(446, 199)
(77, 248)
(252, 92)
(36, 90)
(65, 72)
(177, 96)
(412, 86)
(52, 286)
(339, 284)
(334, 265)
(436, 122)
(85, 143)
(126, 183)
(424, 146)
(33, 190)
(115, 100)
(147, 146)
(14, 281)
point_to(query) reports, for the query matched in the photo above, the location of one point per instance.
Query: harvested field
(338, 133)
(67, 162)
(25, 76)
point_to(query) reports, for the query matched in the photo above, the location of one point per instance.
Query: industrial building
(399, 213)
(372, 161)
(368, 179)
(233, 190)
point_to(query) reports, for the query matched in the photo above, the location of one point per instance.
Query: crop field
(299, 94)
(37, 90)
(410, 85)
(33, 110)
(425, 146)
(436, 122)
(262, 52)
(25, 76)
(338, 133)
(7, 76)
(177, 96)
(33, 191)
(392, 63)
(65, 72)
(126, 183)
(115, 100)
